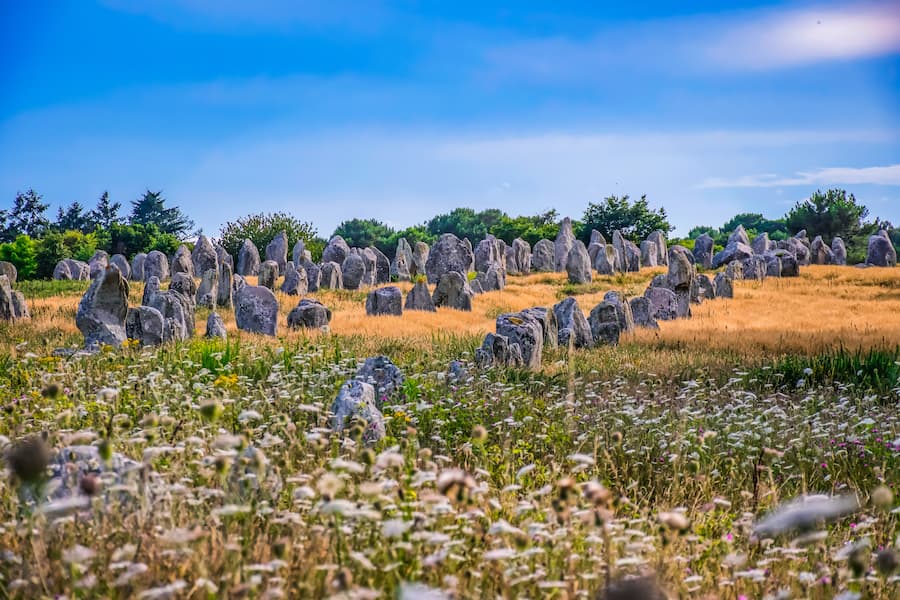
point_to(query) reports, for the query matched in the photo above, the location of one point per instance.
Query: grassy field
(653, 458)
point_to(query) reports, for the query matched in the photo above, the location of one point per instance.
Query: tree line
(35, 244)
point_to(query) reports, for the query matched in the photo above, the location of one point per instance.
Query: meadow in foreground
(656, 457)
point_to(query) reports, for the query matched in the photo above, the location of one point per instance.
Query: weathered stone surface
(542, 256)
(356, 400)
(61, 271)
(226, 285)
(563, 244)
(71, 464)
(313, 274)
(660, 281)
(121, 263)
(146, 325)
(383, 375)
(277, 250)
(733, 251)
(382, 267)
(223, 257)
(522, 329)
(299, 252)
(385, 301)
(605, 260)
(761, 243)
(641, 311)
(683, 302)
(468, 244)
(618, 243)
(547, 320)
(773, 265)
(604, 324)
(239, 282)
(151, 287)
(185, 284)
(696, 294)
(662, 250)
(403, 259)
(309, 314)
(181, 262)
(103, 308)
(248, 260)
(475, 284)
(449, 254)
(735, 270)
(453, 291)
(663, 303)
(208, 290)
(820, 253)
(295, 282)
(681, 271)
(596, 238)
(497, 351)
(623, 310)
(331, 277)
(880, 251)
(420, 256)
(353, 271)
(156, 265)
(204, 256)
(176, 308)
(215, 326)
(256, 309)
(370, 259)
(839, 251)
(9, 269)
(490, 252)
(703, 251)
(98, 262)
(336, 250)
(419, 298)
(268, 274)
(137, 266)
(707, 287)
(632, 260)
(649, 255)
(739, 235)
(493, 280)
(572, 325)
(518, 257)
(578, 264)
(724, 286)
(12, 302)
(754, 268)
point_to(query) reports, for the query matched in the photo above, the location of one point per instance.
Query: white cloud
(888, 175)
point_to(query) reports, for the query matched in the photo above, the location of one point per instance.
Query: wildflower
(479, 434)
(455, 483)
(29, 458)
(804, 514)
(883, 497)
(329, 486)
(675, 521)
(90, 485)
(887, 561)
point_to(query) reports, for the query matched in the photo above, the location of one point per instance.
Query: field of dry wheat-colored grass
(826, 307)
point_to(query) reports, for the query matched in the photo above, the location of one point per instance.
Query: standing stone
(371, 262)
(453, 291)
(492, 280)
(681, 271)
(248, 260)
(578, 264)
(820, 253)
(146, 325)
(9, 269)
(724, 286)
(295, 282)
(277, 250)
(184, 285)
(623, 310)
(632, 259)
(496, 350)
(81, 271)
(256, 309)
(839, 251)
(226, 284)
(618, 242)
(547, 320)
(239, 282)
(419, 298)
(336, 250)
(103, 308)
(880, 251)
(468, 244)
(353, 271)
(400, 266)
(331, 277)
(735, 270)
(61, 271)
(420, 256)
(703, 251)
(385, 301)
(641, 310)
(761, 243)
(649, 255)
(518, 257)
(739, 235)
(706, 287)
(299, 252)
(268, 274)
(208, 291)
(604, 324)
(597, 238)
(313, 274)
(181, 262)
(662, 251)
(526, 332)
(382, 267)
(383, 375)
(732, 252)
(121, 263)
(204, 256)
(605, 260)
(98, 262)
(151, 288)
(489, 252)
(754, 268)
(137, 266)
(156, 265)
(572, 325)
(773, 265)
(542, 256)
(12, 302)
(563, 244)
(215, 326)
(222, 256)
(449, 254)
(309, 314)
(663, 303)
(356, 400)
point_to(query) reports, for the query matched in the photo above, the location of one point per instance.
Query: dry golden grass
(826, 307)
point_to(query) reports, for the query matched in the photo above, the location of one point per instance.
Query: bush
(128, 240)
(262, 228)
(23, 254)
(635, 220)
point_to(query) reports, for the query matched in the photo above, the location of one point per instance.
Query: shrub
(263, 227)
(23, 254)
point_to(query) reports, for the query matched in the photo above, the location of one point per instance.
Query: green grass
(40, 288)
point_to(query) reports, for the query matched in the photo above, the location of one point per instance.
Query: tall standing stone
(248, 260)
(449, 254)
(400, 266)
(880, 251)
(542, 256)
(578, 264)
(703, 251)
(137, 266)
(299, 252)
(295, 282)
(208, 290)
(839, 251)
(649, 255)
(9, 269)
(331, 277)
(382, 267)
(121, 263)
(761, 243)
(420, 255)
(226, 281)
(12, 302)
(662, 250)
(181, 262)
(204, 256)
(819, 252)
(277, 250)
(222, 256)
(313, 274)
(103, 308)
(563, 244)
(256, 309)
(419, 298)
(353, 271)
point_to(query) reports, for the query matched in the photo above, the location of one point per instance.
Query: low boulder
(724, 286)
(572, 325)
(496, 350)
(353, 271)
(356, 400)
(331, 277)
(604, 324)
(102, 310)
(385, 301)
(145, 325)
(215, 326)
(663, 303)
(256, 309)
(248, 259)
(453, 291)
(156, 265)
(880, 251)
(383, 375)
(733, 251)
(703, 251)
(419, 298)
(309, 314)
(295, 282)
(526, 332)
(121, 263)
(641, 311)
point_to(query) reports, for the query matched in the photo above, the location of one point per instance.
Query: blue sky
(332, 109)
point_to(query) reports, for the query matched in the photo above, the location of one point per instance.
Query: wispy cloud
(888, 175)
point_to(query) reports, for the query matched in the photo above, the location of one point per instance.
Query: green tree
(73, 218)
(128, 240)
(22, 253)
(531, 229)
(80, 246)
(49, 250)
(150, 209)
(106, 214)
(26, 217)
(834, 213)
(754, 223)
(362, 233)
(635, 220)
(464, 223)
(262, 228)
